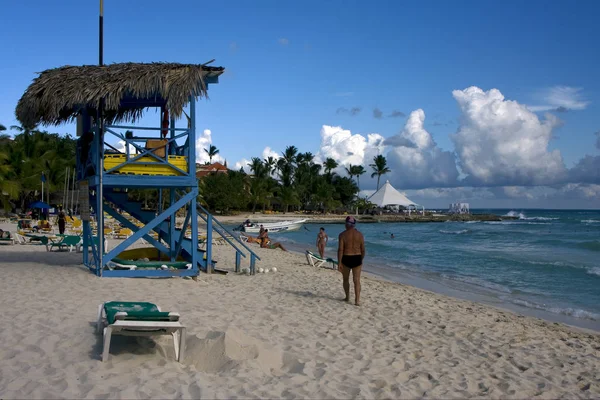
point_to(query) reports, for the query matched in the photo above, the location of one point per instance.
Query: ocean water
(547, 260)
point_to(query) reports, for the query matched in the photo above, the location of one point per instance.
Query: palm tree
(350, 170)
(290, 154)
(270, 164)
(9, 189)
(288, 197)
(26, 156)
(379, 167)
(257, 167)
(2, 128)
(212, 151)
(358, 171)
(330, 164)
(287, 165)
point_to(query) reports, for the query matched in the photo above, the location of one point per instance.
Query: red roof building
(204, 170)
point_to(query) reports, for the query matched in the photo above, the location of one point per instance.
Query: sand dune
(277, 335)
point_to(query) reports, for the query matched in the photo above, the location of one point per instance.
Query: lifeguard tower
(106, 101)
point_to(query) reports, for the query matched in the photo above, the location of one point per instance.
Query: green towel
(136, 311)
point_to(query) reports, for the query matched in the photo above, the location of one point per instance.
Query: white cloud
(347, 148)
(516, 192)
(203, 142)
(416, 161)
(268, 152)
(501, 156)
(561, 98)
(501, 142)
(121, 147)
(455, 194)
(587, 170)
(283, 41)
(581, 191)
(243, 163)
(563, 196)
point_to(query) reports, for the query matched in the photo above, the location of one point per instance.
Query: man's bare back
(352, 243)
(351, 252)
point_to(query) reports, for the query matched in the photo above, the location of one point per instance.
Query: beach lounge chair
(138, 319)
(20, 239)
(316, 261)
(67, 241)
(6, 238)
(122, 233)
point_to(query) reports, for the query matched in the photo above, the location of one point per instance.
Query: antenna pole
(100, 149)
(101, 36)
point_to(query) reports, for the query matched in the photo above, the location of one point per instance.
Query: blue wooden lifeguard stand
(161, 158)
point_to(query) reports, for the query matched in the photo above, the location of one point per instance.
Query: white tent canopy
(388, 196)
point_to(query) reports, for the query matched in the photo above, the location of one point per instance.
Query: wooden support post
(172, 220)
(209, 228)
(238, 260)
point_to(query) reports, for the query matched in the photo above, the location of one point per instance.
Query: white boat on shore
(273, 227)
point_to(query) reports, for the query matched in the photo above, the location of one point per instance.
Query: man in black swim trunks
(351, 252)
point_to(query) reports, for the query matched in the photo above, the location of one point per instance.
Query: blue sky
(292, 67)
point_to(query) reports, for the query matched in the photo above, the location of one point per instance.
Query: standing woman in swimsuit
(351, 252)
(322, 239)
(61, 221)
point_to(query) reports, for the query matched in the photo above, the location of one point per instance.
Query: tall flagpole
(100, 148)
(73, 194)
(65, 188)
(101, 38)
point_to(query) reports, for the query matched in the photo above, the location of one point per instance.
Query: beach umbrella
(40, 205)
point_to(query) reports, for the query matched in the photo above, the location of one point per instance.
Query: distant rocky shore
(337, 219)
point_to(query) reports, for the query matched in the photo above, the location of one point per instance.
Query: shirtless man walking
(351, 252)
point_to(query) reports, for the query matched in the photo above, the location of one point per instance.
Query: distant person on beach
(61, 221)
(261, 231)
(265, 242)
(351, 252)
(322, 240)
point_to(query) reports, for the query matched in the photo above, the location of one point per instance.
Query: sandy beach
(278, 335)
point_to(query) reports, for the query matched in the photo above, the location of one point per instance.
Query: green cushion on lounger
(331, 260)
(137, 311)
(152, 264)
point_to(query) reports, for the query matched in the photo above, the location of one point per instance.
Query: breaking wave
(454, 232)
(571, 312)
(524, 217)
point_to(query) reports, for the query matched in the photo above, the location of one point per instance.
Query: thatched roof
(58, 95)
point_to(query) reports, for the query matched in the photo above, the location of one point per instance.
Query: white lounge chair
(139, 319)
(316, 261)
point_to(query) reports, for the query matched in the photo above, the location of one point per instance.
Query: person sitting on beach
(250, 239)
(266, 242)
(351, 252)
(322, 239)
